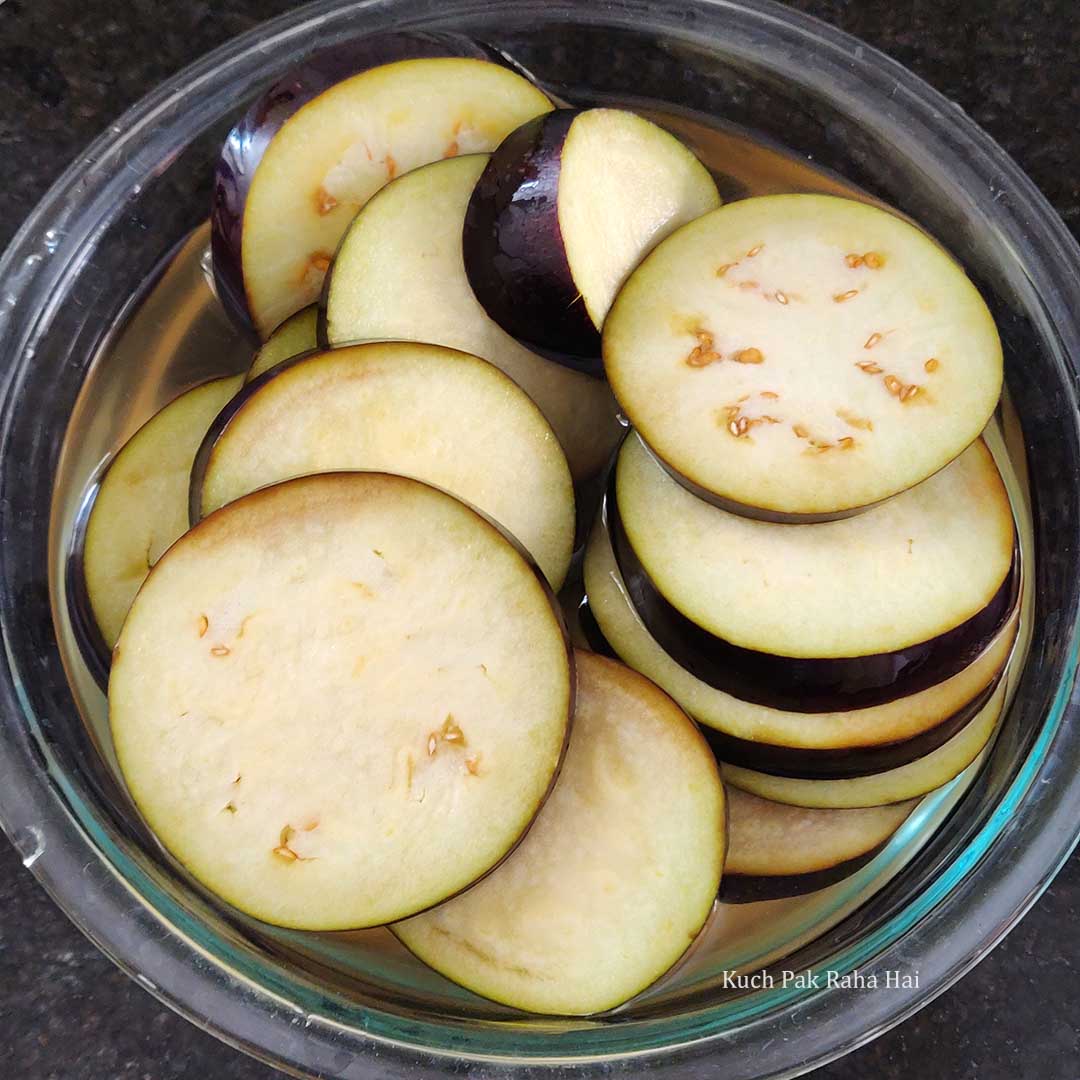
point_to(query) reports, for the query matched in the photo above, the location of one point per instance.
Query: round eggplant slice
(813, 618)
(296, 335)
(779, 850)
(324, 138)
(802, 355)
(756, 734)
(341, 699)
(568, 205)
(846, 763)
(141, 506)
(441, 416)
(399, 274)
(906, 782)
(617, 874)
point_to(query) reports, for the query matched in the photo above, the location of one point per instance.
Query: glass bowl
(66, 289)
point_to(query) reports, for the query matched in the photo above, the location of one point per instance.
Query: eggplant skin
(247, 141)
(797, 684)
(750, 888)
(515, 259)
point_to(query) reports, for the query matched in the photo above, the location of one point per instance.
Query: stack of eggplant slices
(495, 334)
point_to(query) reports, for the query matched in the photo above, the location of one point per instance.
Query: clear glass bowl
(66, 283)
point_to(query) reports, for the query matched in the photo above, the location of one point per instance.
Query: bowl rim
(54, 829)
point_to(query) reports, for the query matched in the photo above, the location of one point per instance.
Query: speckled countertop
(68, 68)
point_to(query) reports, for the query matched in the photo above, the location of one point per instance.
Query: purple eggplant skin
(797, 684)
(247, 141)
(750, 888)
(842, 763)
(515, 259)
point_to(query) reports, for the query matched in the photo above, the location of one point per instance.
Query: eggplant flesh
(331, 652)
(441, 416)
(799, 356)
(139, 508)
(897, 575)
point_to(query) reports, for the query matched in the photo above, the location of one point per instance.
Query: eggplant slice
(334, 151)
(777, 850)
(756, 734)
(802, 355)
(399, 274)
(804, 764)
(441, 416)
(906, 782)
(616, 876)
(341, 699)
(295, 336)
(844, 614)
(246, 143)
(141, 506)
(568, 205)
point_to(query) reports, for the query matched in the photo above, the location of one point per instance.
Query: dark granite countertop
(68, 68)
